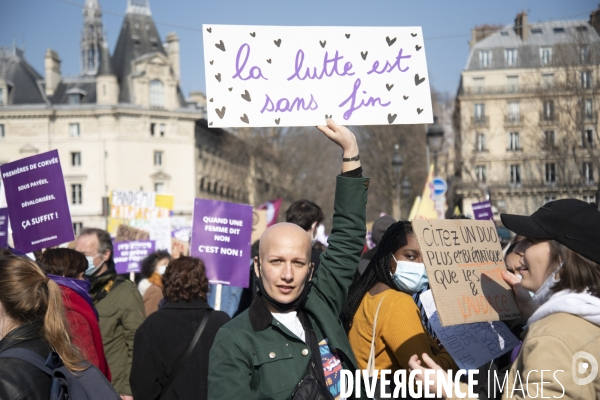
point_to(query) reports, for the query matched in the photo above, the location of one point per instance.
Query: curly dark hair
(379, 269)
(149, 263)
(185, 279)
(63, 262)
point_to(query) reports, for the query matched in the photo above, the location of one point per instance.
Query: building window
(586, 79)
(76, 194)
(548, 80)
(480, 173)
(480, 141)
(548, 107)
(77, 227)
(514, 111)
(2, 133)
(588, 172)
(548, 199)
(74, 98)
(549, 139)
(1, 96)
(74, 129)
(588, 109)
(157, 94)
(479, 112)
(76, 159)
(515, 174)
(485, 59)
(584, 53)
(478, 85)
(510, 56)
(546, 56)
(513, 83)
(152, 128)
(513, 141)
(590, 198)
(587, 138)
(158, 158)
(159, 187)
(162, 129)
(550, 176)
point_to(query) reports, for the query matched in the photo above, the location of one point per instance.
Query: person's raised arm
(340, 260)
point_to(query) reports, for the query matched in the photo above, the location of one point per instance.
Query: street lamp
(397, 162)
(406, 194)
(435, 141)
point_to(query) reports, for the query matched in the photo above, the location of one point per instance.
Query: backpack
(89, 384)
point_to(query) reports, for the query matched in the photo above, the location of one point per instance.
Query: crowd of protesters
(307, 313)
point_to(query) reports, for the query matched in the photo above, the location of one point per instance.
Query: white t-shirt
(291, 321)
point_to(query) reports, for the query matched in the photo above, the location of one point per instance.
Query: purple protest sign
(483, 210)
(129, 255)
(3, 227)
(221, 235)
(38, 208)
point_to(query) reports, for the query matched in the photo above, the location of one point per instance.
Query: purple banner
(483, 210)
(129, 255)
(221, 235)
(37, 202)
(3, 228)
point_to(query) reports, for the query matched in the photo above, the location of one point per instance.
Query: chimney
(521, 27)
(52, 69)
(595, 19)
(199, 98)
(481, 32)
(172, 46)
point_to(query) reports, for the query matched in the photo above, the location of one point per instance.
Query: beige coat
(549, 345)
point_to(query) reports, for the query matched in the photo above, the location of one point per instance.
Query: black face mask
(282, 307)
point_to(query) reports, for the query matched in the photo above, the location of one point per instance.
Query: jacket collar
(23, 333)
(259, 314)
(198, 303)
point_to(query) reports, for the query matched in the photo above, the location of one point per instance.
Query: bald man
(292, 327)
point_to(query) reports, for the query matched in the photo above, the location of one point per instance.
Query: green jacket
(256, 357)
(121, 311)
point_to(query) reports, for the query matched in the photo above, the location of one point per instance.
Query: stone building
(122, 124)
(526, 115)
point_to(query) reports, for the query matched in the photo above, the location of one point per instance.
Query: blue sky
(41, 24)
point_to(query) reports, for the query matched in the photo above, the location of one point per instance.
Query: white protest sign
(296, 76)
(470, 345)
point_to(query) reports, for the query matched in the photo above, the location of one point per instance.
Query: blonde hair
(27, 296)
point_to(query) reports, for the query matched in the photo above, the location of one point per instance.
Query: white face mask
(410, 277)
(161, 270)
(544, 293)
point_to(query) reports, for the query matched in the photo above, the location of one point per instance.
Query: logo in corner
(583, 363)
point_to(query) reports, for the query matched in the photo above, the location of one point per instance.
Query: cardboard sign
(221, 234)
(464, 262)
(37, 202)
(129, 255)
(259, 224)
(470, 345)
(127, 233)
(297, 76)
(483, 210)
(3, 227)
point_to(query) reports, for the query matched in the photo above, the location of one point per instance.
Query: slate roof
(85, 85)
(529, 52)
(21, 76)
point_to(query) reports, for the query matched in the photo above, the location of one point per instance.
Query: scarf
(156, 279)
(81, 287)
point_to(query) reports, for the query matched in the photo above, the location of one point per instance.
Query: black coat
(161, 341)
(19, 379)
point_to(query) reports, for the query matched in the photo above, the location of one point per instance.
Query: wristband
(355, 158)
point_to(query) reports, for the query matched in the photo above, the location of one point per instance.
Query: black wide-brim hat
(574, 223)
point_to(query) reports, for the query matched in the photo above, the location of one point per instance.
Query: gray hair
(104, 240)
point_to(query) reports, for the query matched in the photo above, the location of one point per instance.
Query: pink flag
(272, 208)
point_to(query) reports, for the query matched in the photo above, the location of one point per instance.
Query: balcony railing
(548, 119)
(480, 121)
(513, 120)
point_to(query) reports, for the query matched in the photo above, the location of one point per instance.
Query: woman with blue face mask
(380, 309)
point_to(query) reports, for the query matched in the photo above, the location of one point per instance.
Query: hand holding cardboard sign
(524, 300)
(344, 138)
